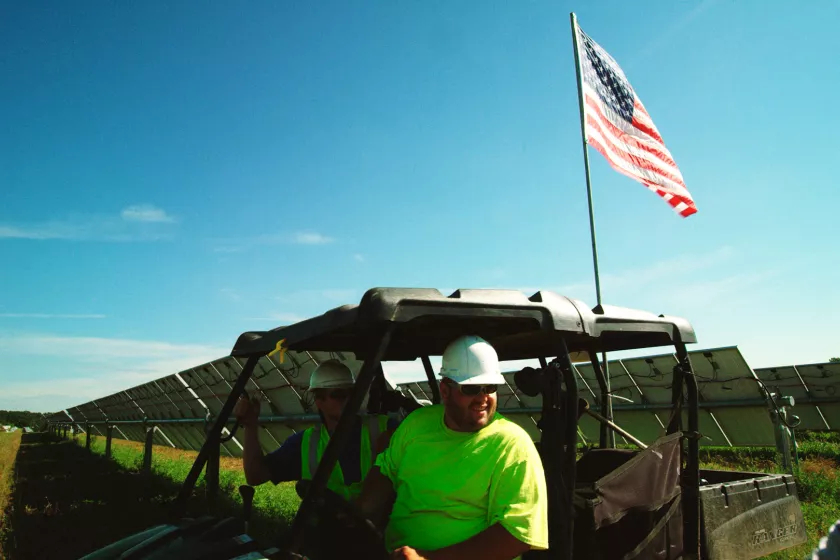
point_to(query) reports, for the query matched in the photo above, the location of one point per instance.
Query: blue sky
(172, 175)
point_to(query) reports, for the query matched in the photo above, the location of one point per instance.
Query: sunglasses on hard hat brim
(469, 390)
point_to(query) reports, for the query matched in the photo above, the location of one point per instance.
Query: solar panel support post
(147, 450)
(215, 432)
(784, 444)
(606, 409)
(87, 436)
(314, 496)
(109, 435)
(787, 462)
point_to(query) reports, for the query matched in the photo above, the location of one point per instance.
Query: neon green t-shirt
(453, 485)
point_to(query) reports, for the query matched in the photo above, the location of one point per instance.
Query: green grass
(70, 501)
(817, 482)
(274, 502)
(9, 445)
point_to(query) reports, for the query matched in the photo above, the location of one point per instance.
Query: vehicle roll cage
(410, 323)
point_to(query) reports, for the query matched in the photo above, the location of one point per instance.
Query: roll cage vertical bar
(337, 442)
(557, 448)
(675, 423)
(570, 457)
(691, 474)
(214, 434)
(604, 434)
(430, 377)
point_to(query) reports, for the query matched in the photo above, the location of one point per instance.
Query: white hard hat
(471, 360)
(331, 374)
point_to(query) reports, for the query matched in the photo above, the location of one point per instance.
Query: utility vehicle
(610, 504)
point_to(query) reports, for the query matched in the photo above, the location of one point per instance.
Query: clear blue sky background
(173, 174)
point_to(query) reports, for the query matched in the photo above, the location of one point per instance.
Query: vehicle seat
(597, 463)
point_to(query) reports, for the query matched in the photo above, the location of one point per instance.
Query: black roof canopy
(425, 321)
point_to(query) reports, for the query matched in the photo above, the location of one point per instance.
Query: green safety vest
(315, 441)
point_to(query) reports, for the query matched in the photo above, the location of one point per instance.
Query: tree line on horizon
(22, 419)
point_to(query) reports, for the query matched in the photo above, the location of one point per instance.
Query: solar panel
(157, 405)
(724, 376)
(91, 412)
(118, 407)
(823, 380)
(644, 424)
(209, 389)
(77, 416)
(815, 388)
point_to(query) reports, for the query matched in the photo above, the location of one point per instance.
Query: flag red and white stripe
(620, 128)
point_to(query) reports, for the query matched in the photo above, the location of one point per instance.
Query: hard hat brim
(329, 385)
(483, 379)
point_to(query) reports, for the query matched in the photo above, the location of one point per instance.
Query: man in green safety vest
(460, 480)
(298, 457)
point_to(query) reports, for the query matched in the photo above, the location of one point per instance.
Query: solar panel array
(182, 405)
(734, 410)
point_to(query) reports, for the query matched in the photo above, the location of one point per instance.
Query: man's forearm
(494, 543)
(377, 496)
(253, 461)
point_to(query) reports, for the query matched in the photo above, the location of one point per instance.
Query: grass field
(68, 501)
(9, 444)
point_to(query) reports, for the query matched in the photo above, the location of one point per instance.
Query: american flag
(619, 126)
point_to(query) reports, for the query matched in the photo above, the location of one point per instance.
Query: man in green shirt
(461, 479)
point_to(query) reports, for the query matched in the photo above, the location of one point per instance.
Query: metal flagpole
(607, 399)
